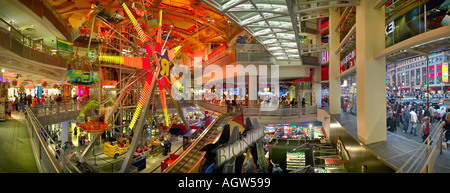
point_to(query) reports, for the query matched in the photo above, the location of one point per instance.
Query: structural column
(370, 73)
(334, 64)
(317, 87)
(65, 132)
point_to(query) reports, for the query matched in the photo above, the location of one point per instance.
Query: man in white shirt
(414, 120)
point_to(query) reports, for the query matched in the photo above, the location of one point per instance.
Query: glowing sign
(166, 65)
(325, 56)
(444, 72)
(389, 28)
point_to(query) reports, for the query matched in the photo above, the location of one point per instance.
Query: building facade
(408, 77)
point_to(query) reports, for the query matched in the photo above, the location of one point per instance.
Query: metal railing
(24, 46)
(47, 158)
(281, 111)
(211, 106)
(40, 141)
(426, 156)
(213, 125)
(55, 108)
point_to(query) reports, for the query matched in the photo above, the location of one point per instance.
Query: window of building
(424, 75)
(418, 76)
(407, 78)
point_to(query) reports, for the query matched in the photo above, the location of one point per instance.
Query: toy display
(116, 148)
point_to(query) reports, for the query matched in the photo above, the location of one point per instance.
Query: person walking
(29, 100)
(414, 122)
(276, 167)
(16, 103)
(406, 117)
(391, 123)
(22, 103)
(425, 129)
(431, 109)
(446, 126)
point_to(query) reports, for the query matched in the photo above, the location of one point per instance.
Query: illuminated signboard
(224, 154)
(325, 56)
(444, 72)
(389, 28)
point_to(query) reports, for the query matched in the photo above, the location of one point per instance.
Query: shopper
(414, 122)
(29, 100)
(406, 117)
(276, 168)
(34, 102)
(391, 123)
(22, 103)
(425, 129)
(167, 146)
(446, 126)
(16, 103)
(9, 108)
(432, 113)
(249, 164)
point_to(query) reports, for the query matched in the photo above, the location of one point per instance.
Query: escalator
(191, 157)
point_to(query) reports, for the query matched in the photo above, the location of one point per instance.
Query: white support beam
(380, 4)
(418, 40)
(226, 8)
(294, 21)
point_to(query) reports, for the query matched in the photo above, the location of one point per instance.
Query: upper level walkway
(57, 112)
(398, 147)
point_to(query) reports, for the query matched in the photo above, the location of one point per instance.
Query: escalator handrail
(211, 125)
(195, 152)
(193, 144)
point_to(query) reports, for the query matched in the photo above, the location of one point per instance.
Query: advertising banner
(348, 61)
(444, 72)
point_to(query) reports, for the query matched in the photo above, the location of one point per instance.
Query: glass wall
(348, 93)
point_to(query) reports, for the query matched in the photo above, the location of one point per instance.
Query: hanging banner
(64, 47)
(324, 57)
(444, 72)
(348, 61)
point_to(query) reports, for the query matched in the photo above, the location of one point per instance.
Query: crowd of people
(18, 103)
(415, 119)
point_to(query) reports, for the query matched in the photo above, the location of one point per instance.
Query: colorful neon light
(142, 99)
(444, 72)
(162, 94)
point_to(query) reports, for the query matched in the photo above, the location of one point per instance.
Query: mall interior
(224, 86)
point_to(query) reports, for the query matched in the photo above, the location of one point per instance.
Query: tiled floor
(15, 147)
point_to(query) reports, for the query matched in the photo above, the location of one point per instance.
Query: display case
(295, 160)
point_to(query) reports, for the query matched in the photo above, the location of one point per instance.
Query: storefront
(304, 130)
(298, 89)
(348, 93)
(283, 138)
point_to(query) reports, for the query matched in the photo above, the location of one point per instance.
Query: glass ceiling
(274, 23)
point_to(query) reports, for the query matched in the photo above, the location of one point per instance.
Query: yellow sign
(165, 65)
(444, 72)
